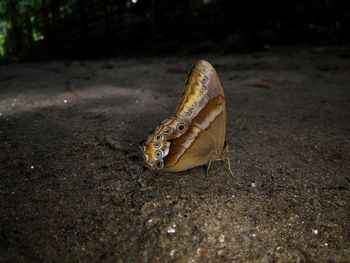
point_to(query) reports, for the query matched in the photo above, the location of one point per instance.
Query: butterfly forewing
(202, 85)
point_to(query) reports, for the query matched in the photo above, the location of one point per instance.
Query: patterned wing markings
(201, 86)
(199, 127)
(157, 145)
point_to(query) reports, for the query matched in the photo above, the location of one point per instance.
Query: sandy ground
(73, 187)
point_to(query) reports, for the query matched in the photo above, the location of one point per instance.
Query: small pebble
(117, 200)
(171, 230)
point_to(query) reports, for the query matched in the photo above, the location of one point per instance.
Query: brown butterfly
(196, 135)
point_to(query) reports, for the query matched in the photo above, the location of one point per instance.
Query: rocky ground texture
(73, 187)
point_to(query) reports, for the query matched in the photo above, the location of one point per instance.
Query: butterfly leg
(229, 165)
(208, 166)
(226, 156)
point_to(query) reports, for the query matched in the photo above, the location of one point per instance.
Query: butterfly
(196, 135)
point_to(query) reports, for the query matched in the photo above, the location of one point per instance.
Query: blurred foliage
(2, 42)
(30, 29)
(14, 29)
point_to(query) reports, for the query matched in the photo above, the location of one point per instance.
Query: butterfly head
(157, 145)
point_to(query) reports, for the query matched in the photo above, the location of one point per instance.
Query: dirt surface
(73, 186)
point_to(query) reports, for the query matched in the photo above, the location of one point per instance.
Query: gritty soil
(73, 187)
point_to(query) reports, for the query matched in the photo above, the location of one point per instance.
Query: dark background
(33, 29)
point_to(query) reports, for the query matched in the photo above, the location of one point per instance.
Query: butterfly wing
(202, 85)
(203, 107)
(202, 141)
(201, 114)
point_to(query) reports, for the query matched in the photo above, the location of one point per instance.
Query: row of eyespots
(191, 108)
(203, 88)
(159, 163)
(159, 137)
